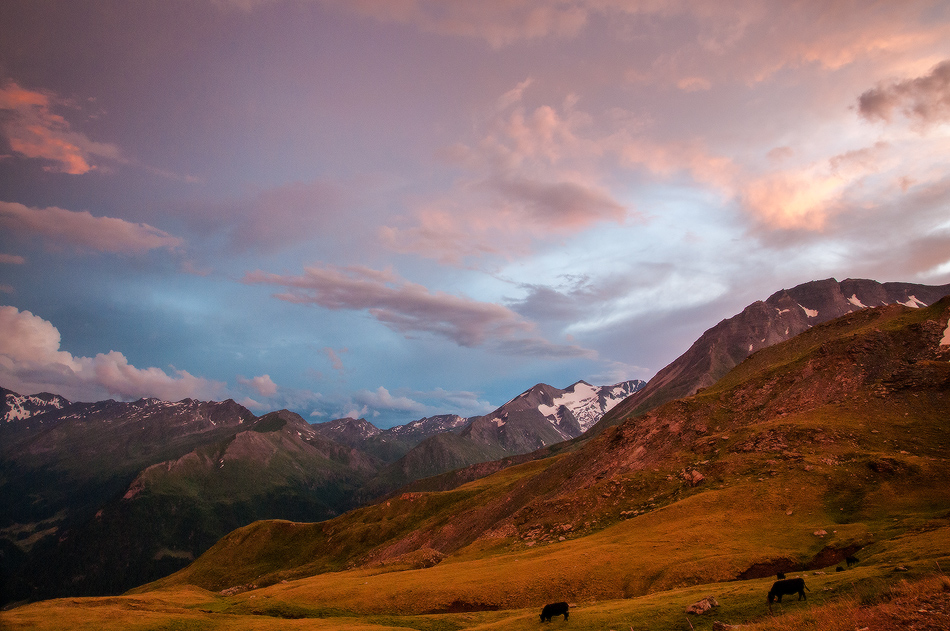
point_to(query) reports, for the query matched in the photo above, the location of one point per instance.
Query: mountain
(99, 497)
(785, 314)
(826, 445)
(540, 416)
(102, 496)
(389, 444)
(15, 406)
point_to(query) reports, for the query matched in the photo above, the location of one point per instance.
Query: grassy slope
(868, 467)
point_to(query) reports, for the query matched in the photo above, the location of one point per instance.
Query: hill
(782, 316)
(829, 444)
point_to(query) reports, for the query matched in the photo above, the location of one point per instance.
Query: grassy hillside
(830, 444)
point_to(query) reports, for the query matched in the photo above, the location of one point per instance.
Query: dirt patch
(831, 555)
(769, 568)
(461, 606)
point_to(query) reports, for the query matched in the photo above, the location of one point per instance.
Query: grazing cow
(554, 609)
(779, 576)
(851, 560)
(788, 586)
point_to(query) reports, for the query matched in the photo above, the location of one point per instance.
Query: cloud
(408, 308)
(533, 176)
(12, 259)
(335, 359)
(924, 99)
(31, 361)
(381, 399)
(497, 22)
(34, 131)
(270, 220)
(83, 231)
(262, 385)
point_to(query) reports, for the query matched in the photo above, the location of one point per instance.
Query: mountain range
(108, 495)
(103, 496)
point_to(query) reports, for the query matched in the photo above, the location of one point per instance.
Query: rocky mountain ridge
(782, 316)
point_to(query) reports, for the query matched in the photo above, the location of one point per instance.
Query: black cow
(851, 560)
(788, 586)
(779, 575)
(554, 609)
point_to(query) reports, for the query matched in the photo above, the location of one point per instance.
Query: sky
(393, 209)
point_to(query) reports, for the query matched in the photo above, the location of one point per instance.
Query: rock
(820, 533)
(703, 605)
(722, 626)
(694, 477)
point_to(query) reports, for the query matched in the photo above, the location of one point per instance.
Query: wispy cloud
(531, 177)
(925, 99)
(272, 219)
(33, 130)
(31, 361)
(83, 231)
(412, 308)
(335, 360)
(12, 259)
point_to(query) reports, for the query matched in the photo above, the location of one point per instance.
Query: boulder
(703, 606)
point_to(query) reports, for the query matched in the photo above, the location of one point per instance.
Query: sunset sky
(400, 208)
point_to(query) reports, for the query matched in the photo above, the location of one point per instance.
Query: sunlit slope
(842, 429)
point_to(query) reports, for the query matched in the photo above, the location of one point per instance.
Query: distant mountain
(15, 407)
(389, 444)
(785, 314)
(538, 417)
(99, 497)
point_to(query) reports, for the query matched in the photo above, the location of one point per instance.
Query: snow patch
(781, 311)
(750, 348)
(24, 406)
(811, 313)
(499, 422)
(946, 336)
(856, 302)
(913, 303)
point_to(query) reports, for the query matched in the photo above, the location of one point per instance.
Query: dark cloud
(562, 204)
(411, 308)
(924, 99)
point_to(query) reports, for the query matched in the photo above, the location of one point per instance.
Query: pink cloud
(925, 99)
(12, 259)
(263, 385)
(497, 22)
(382, 399)
(34, 131)
(409, 308)
(80, 229)
(271, 219)
(533, 176)
(31, 361)
(335, 360)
